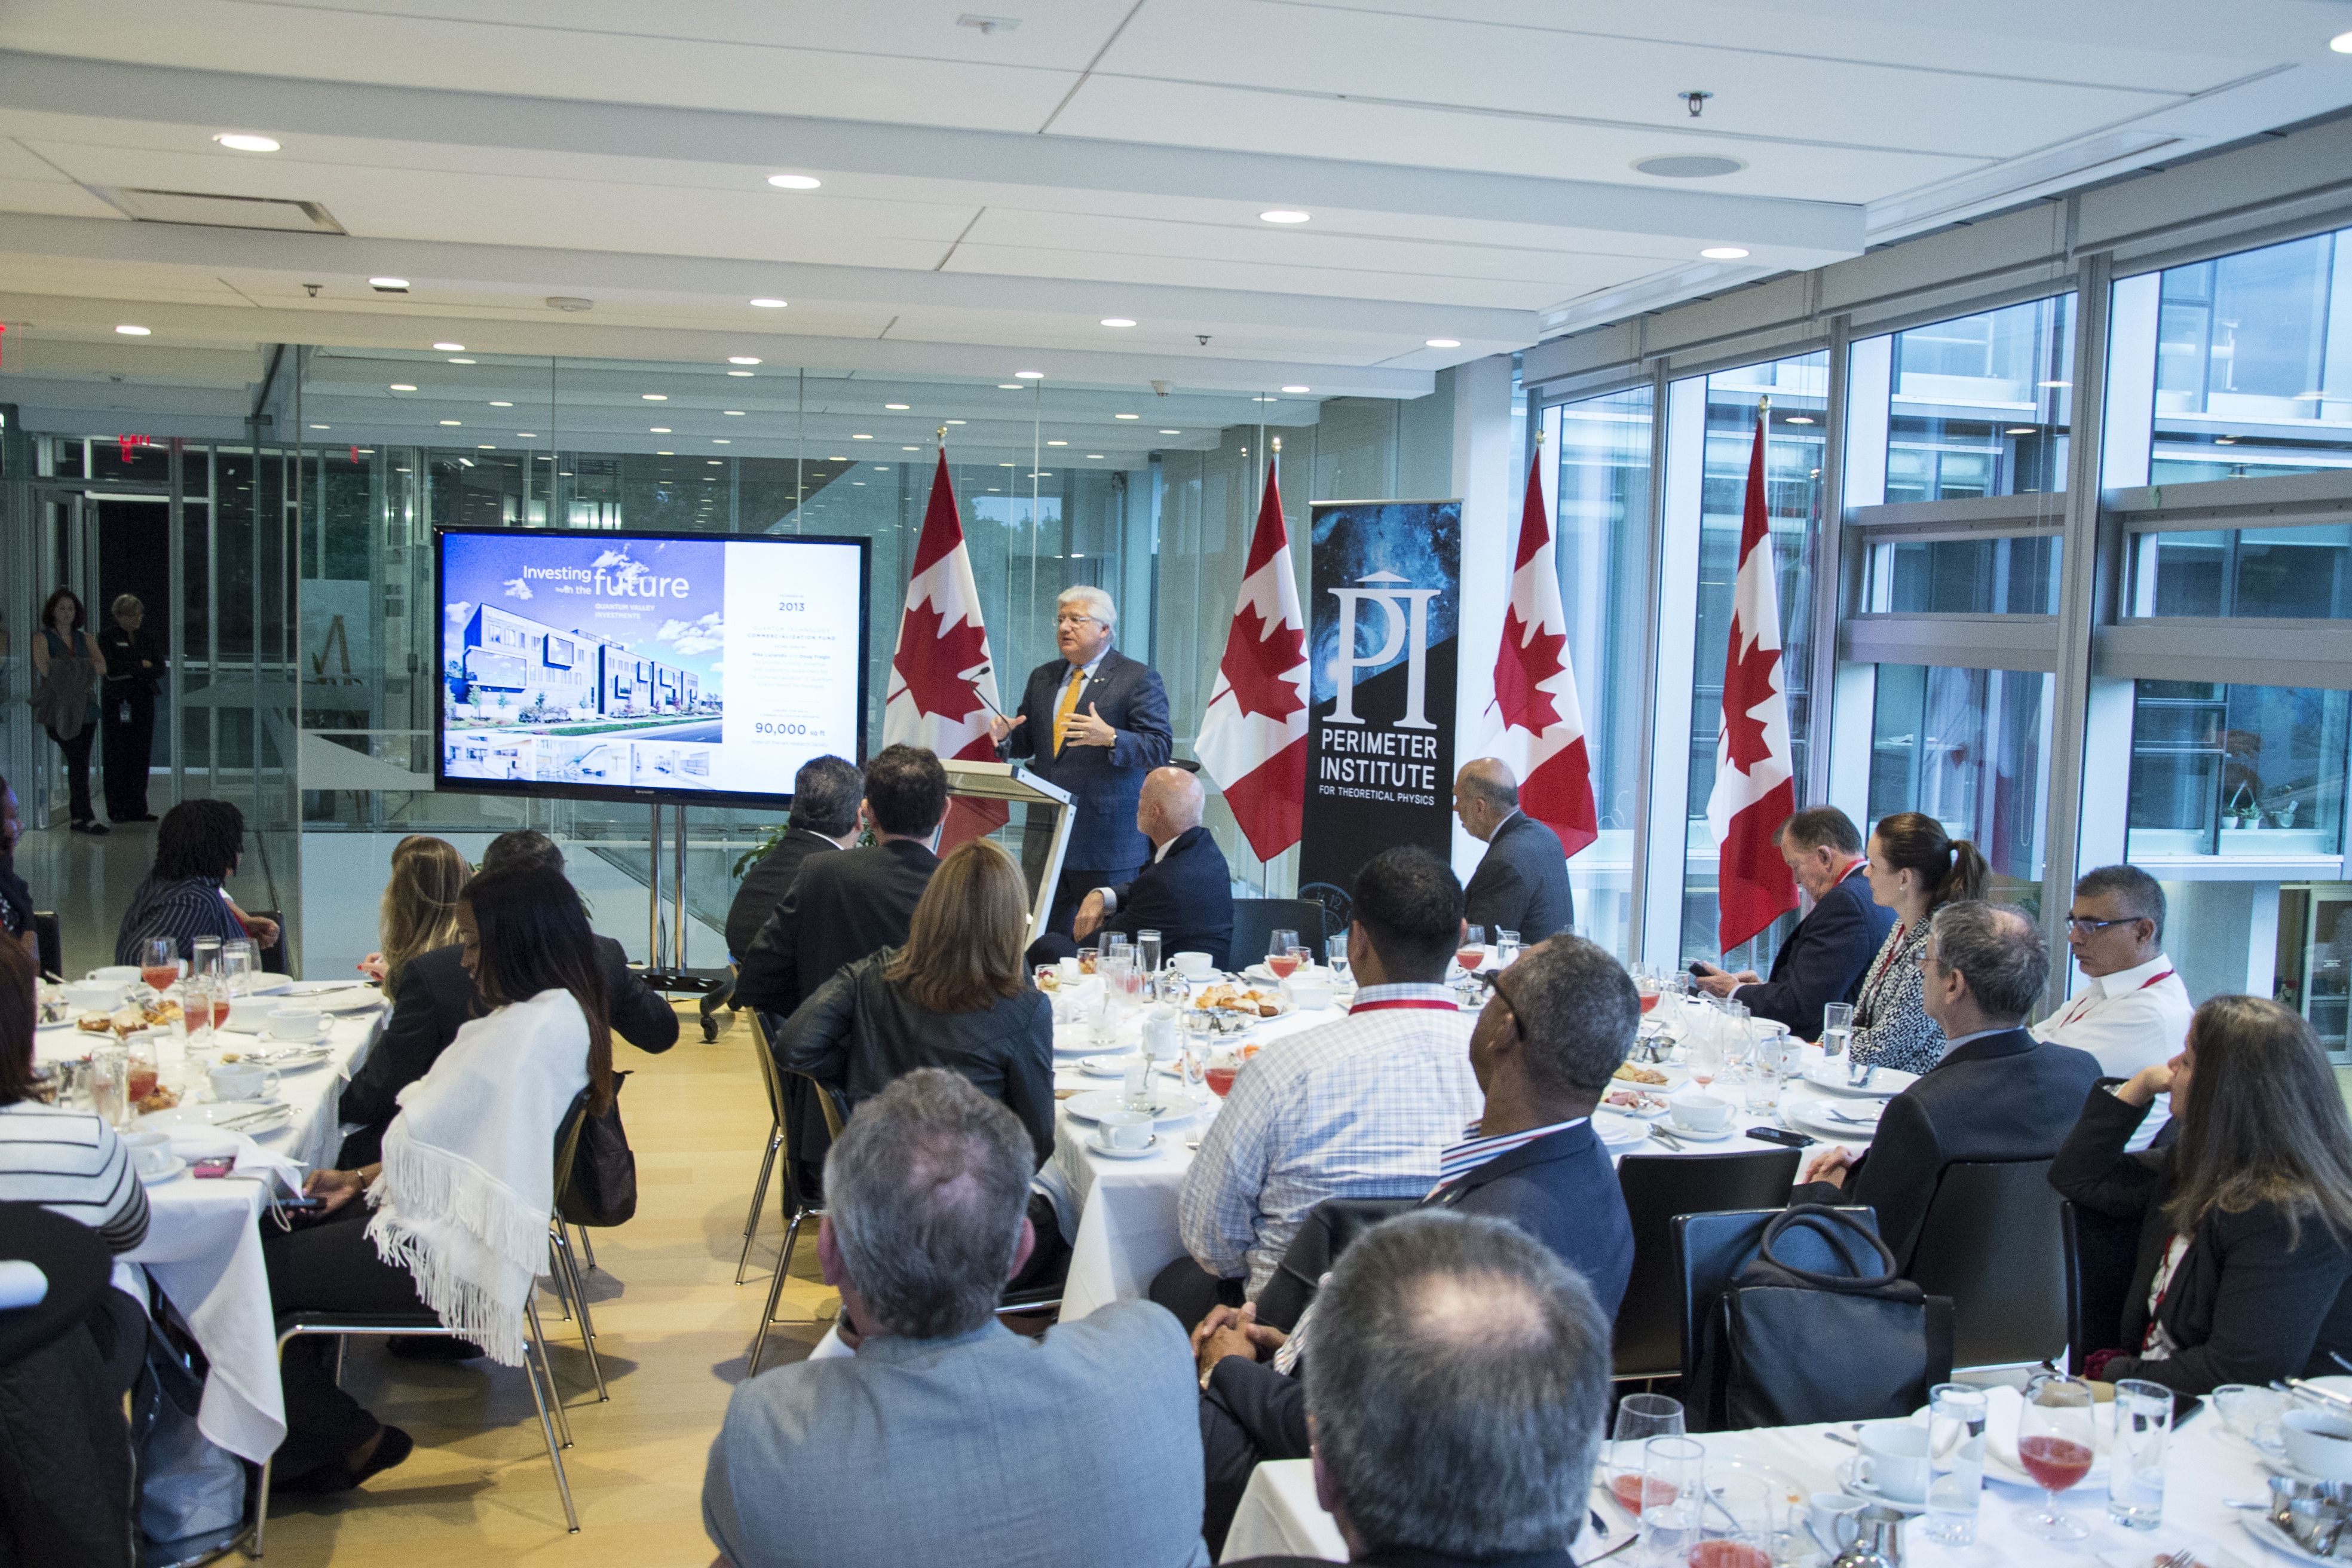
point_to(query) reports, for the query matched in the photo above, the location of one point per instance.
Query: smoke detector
(1163, 388)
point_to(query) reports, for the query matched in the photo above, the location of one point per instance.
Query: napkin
(193, 1144)
(2005, 1407)
(22, 1284)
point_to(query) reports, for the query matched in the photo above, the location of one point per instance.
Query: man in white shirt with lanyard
(2134, 1012)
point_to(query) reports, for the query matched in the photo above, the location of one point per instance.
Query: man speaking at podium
(1094, 722)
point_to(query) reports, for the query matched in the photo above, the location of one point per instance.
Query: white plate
(285, 1059)
(1677, 1130)
(165, 1175)
(1677, 1074)
(1112, 1066)
(1811, 1116)
(1096, 1145)
(1616, 1131)
(221, 1112)
(1886, 1083)
(1845, 1479)
(1167, 1105)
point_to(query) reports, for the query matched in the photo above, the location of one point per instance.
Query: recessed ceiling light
(497, 404)
(2225, 440)
(449, 348)
(1003, 465)
(795, 181)
(1725, 252)
(1008, 386)
(716, 462)
(322, 426)
(1171, 432)
(1283, 215)
(461, 361)
(861, 438)
(1028, 376)
(738, 373)
(526, 434)
(1294, 389)
(1095, 456)
(2055, 383)
(390, 283)
(954, 422)
(741, 359)
(128, 332)
(732, 413)
(2341, 43)
(882, 467)
(653, 397)
(910, 448)
(450, 422)
(1117, 322)
(657, 429)
(1799, 419)
(404, 386)
(720, 441)
(665, 454)
(486, 447)
(2022, 430)
(1126, 415)
(1057, 443)
(1442, 343)
(900, 406)
(769, 304)
(239, 141)
(836, 459)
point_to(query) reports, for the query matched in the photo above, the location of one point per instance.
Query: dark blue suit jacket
(1187, 896)
(1823, 960)
(1103, 783)
(1521, 884)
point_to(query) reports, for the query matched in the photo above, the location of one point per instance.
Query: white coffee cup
(1192, 965)
(1894, 1461)
(151, 1152)
(1703, 1113)
(119, 976)
(1309, 994)
(1069, 970)
(1125, 1130)
(2318, 1442)
(243, 1080)
(93, 996)
(1831, 1516)
(296, 1024)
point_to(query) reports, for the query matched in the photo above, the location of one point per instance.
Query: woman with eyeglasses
(2244, 1266)
(1915, 871)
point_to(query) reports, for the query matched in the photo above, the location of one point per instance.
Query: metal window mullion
(1833, 576)
(1652, 533)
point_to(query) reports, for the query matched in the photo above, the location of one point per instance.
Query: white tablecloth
(1278, 1513)
(204, 1240)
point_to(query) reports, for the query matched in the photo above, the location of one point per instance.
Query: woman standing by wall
(70, 666)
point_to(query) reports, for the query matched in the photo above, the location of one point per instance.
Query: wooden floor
(673, 1329)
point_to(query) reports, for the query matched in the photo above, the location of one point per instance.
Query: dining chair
(1257, 919)
(795, 1201)
(771, 1080)
(1657, 1187)
(571, 1290)
(1710, 1251)
(2101, 1253)
(1993, 1241)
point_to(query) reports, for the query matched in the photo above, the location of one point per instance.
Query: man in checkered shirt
(1360, 1107)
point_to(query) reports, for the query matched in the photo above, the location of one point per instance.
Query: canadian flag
(1754, 790)
(1252, 738)
(1536, 725)
(942, 681)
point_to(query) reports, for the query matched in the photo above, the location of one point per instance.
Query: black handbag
(599, 1173)
(1790, 1346)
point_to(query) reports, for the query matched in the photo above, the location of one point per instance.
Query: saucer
(1095, 1145)
(1846, 1481)
(229, 1115)
(2259, 1526)
(157, 1178)
(1111, 1065)
(1095, 1104)
(1675, 1126)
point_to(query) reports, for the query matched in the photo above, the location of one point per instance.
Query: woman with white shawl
(455, 1214)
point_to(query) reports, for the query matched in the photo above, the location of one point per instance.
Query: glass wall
(1972, 748)
(2295, 572)
(2010, 576)
(1982, 406)
(2239, 770)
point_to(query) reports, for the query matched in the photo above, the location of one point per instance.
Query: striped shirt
(1358, 1107)
(1472, 1151)
(182, 909)
(71, 1163)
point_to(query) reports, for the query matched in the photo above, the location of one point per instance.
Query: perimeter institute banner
(1387, 578)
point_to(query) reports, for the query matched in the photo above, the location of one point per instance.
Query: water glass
(1335, 953)
(109, 1080)
(1147, 950)
(1956, 1428)
(1137, 1080)
(2136, 1467)
(1745, 1527)
(1102, 1022)
(1837, 1027)
(1507, 947)
(240, 961)
(1672, 1493)
(203, 954)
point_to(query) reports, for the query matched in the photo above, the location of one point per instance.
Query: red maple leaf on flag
(932, 662)
(1526, 660)
(1750, 684)
(1255, 664)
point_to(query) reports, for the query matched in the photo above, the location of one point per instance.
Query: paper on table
(22, 1283)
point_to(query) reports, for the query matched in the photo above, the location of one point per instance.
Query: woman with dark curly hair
(197, 848)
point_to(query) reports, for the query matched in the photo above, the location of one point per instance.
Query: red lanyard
(1888, 961)
(2074, 1013)
(1434, 1006)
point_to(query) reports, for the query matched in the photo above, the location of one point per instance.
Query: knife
(1666, 1138)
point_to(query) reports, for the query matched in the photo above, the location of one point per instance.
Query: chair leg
(546, 1373)
(546, 1426)
(776, 1288)
(343, 1349)
(587, 1323)
(758, 1196)
(556, 1278)
(587, 1249)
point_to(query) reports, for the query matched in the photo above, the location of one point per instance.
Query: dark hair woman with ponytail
(1915, 871)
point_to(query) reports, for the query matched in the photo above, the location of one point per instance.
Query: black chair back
(48, 945)
(1658, 1187)
(1710, 1250)
(2102, 1252)
(1255, 920)
(1993, 1242)
(273, 957)
(1330, 1228)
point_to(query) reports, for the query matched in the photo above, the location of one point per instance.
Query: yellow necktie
(1069, 705)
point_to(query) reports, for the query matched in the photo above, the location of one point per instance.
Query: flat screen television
(591, 665)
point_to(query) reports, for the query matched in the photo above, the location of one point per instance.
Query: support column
(1483, 476)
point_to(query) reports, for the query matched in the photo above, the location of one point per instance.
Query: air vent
(1688, 166)
(219, 212)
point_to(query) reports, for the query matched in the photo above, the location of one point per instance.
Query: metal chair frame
(801, 1208)
(774, 1085)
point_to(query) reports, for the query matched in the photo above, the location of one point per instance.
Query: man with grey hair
(1521, 882)
(1459, 1387)
(1186, 893)
(1999, 1094)
(947, 1437)
(2134, 1011)
(1094, 722)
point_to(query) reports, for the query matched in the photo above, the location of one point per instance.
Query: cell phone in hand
(1702, 969)
(305, 1202)
(1774, 1135)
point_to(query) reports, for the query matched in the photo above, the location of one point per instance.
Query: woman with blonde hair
(419, 911)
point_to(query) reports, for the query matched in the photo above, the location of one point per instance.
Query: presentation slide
(591, 663)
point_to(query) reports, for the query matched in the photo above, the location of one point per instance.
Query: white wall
(1484, 462)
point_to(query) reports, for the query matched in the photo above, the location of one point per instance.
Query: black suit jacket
(1823, 961)
(434, 996)
(2004, 1096)
(2246, 1304)
(839, 909)
(767, 882)
(1103, 782)
(1521, 885)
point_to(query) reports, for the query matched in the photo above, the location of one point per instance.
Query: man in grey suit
(1521, 884)
(947, 1437)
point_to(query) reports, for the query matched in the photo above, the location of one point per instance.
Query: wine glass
(1223, 1065)
(1301, 956)
(1640, 1417)
(1279, 961)
(1335, 953)
(2056, 1443)
(1703, 1057)
(159, 963)
(1473, 951)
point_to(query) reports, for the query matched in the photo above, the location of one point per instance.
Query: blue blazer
(1187, 897)
(1562, 1190)
(1103, 783)
(1521, 883)
(1823, 961)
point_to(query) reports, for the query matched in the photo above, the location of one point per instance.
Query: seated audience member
(2134, 1011)
(16, 897)
(1825, 957)
(436, 994)
(1081, 1447)
(1363, 1107)
(419, 909)
(1459, 1386)
(67, 1485)
(1556, 1028)
(2245, 1244)
(460, 1223)
(1521, 882)
(841, 908)
(824, 819)
(197, 847)
(1185, 892)
(1998, 1094)
(1915, 871)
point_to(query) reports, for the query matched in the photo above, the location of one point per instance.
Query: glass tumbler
(1956, 1428)
(2136, 1468)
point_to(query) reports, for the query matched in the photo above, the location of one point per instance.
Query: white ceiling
(988, 197)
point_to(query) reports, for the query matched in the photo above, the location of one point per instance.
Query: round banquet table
(204, 1238)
